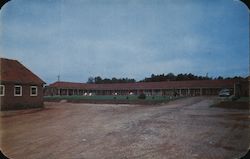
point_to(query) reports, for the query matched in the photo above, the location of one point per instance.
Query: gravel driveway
(185, 128)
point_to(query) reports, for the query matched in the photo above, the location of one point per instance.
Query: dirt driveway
(185, 128)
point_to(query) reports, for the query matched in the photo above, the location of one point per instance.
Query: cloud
(132, 39)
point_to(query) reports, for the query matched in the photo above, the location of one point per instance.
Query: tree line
(99, 80)
(159, 78)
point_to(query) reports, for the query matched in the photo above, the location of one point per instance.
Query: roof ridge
(4, 58)
(13, 70)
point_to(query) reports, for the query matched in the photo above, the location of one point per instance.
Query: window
(18, 90)
(33, 90)
(2, 90)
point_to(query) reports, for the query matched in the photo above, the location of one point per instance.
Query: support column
(234, 89)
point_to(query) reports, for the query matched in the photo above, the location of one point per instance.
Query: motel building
(166, 88)
(19, 87)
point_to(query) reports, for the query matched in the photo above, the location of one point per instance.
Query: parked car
(224, 93)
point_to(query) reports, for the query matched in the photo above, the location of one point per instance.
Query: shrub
(234, 98)
(142, 96)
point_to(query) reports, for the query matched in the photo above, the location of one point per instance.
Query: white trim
(3, 90)
(18, 86)
(31, 90)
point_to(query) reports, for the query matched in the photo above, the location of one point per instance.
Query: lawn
(230, 103)
(243, 99)
(129, 98)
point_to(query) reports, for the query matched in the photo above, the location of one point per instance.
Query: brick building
(19, 87)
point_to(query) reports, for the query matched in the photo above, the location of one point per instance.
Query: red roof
(67, 85)
(14, 71)
(148, 85)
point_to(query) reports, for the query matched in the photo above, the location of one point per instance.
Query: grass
(243, 99)
(238, 99)
(239, 103)
(111, 98)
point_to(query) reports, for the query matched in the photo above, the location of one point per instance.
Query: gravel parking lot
(185, 128)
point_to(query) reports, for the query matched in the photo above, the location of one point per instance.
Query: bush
(234, 98)
(142, 96)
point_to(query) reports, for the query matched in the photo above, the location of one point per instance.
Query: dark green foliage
(172, 77)
(159, 78)
(234, 98)
(91, 80)
(99, 80)
(142, 96)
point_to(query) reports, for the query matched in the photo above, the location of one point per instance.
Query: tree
(90, 80)
(220, 78)
(171, 77)
(98, 80)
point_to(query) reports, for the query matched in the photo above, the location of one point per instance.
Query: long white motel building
(166, 88)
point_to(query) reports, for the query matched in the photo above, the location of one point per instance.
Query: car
(224, 93)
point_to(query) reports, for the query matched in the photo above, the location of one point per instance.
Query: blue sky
(126, 38)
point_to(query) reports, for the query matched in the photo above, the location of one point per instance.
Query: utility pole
(58, 78)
